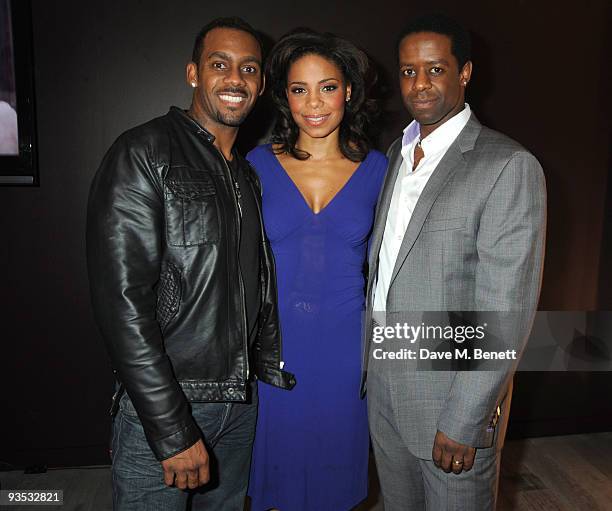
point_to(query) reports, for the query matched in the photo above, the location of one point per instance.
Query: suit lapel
(449, 164)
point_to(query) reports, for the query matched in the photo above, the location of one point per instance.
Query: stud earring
(193, 84)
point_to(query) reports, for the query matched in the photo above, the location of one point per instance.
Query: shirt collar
(440, 138)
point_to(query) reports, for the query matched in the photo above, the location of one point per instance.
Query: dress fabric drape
(311, 445)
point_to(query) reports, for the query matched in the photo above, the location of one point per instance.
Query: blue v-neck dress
(311, 445)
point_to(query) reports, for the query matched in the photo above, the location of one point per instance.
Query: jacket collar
(191, 123)
(467, 138)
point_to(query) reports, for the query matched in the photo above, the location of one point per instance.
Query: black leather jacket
(163, 233)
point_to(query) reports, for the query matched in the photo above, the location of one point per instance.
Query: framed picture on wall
(18, 150)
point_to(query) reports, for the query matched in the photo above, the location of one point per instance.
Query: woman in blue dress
(320, 181)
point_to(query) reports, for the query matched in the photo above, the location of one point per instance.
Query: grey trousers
(409, 483)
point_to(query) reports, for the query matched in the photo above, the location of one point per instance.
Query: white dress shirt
(406, 192)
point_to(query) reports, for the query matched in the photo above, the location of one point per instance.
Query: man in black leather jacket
(183, 287)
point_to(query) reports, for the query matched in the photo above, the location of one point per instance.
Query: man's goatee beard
(232, 121)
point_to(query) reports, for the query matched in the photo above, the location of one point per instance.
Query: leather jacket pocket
(168, 295)
(191, 212)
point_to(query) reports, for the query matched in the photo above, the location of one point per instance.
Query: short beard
(231, 120)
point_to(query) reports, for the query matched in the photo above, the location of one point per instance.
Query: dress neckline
(301, 195)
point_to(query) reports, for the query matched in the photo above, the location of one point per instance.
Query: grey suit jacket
(475, 242)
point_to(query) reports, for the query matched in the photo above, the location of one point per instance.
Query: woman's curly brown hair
(356, 70)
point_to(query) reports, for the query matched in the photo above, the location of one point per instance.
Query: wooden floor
(565, 473)
(571, 473)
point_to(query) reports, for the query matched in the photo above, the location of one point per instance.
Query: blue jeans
(228, 430)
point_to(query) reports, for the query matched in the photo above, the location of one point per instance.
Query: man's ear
(263, 84)
(191, 74)
(466, 73)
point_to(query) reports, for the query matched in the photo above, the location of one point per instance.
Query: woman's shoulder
(260, 152)
(377, 159)
(377, 163)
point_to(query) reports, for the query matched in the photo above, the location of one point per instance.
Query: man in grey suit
(459, 232)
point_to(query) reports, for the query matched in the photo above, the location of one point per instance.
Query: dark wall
(102, 67)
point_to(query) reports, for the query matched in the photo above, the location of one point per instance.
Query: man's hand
(446, 452)
(187, 469)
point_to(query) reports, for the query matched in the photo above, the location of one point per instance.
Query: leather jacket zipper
(237, 197)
